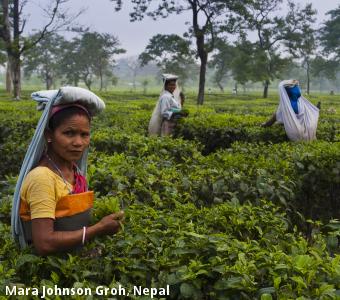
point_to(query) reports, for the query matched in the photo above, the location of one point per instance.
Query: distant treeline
(251, 44)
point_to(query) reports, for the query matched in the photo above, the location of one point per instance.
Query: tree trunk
(88, 82)
(201, 51)
(134, 79)
(265, 89)
(48, 81)
(16, 77)
(203, 68)
(220, 86)
(308, 78)
(15, 57)
(7, 39)
(203, 55)
(101, 79)
(320, 85)
(8, 78)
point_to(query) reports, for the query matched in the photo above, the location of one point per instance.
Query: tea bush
(216, 131)
(226, 251)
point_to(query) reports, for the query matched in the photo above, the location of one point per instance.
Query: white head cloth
(166, 77)
(301, 126)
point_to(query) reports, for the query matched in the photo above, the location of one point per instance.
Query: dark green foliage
(222, 62)
(18, 121)
(216, 131)
(209, 253)
(330, 35)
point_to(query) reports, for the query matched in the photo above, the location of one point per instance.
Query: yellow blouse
(41, 190)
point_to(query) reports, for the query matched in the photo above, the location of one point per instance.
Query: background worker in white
(168, 108)
(295, 112)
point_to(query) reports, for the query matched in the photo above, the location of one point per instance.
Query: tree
(302, 42)
(133, 65)
(222, 61)
(114, 80)
(70, 65)
(324, 68)
(107, 46)
(270, 29)
(45, 59)
(88, 56)
(329, 63)
(145, 84)
(12, 26)
(251, 63)
(3, 62)
(171, 53)
(245, 62)
(204, 26)
(330, 35)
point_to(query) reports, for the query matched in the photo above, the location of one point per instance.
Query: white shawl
(301, 126)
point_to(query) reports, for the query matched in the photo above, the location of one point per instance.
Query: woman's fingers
(118, 216)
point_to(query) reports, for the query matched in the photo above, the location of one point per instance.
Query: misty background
(132, 38)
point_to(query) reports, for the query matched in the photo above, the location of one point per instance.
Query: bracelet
(84, 234)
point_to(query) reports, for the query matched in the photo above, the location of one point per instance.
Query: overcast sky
(100, 16)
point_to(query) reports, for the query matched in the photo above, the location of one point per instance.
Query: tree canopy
(204, 26)
(171, 53)
(12, 25)
(330, 34)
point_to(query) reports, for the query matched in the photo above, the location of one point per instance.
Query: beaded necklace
(59, 171)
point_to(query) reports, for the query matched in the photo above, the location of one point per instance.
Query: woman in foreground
(55, 203)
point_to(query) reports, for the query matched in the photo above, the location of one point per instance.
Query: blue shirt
(294, 94)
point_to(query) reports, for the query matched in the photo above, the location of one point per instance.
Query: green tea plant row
(228, 251)
(208, 126)
(220, 131)
(301, 177)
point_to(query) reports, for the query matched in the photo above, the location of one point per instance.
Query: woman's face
(71, 138)
(170, 86)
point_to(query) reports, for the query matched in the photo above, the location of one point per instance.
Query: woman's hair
(167, 81)
(60, 116)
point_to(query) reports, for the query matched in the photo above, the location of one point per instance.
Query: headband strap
(58, 108)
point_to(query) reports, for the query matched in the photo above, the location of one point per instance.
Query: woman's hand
(111, 224)
(46, 240)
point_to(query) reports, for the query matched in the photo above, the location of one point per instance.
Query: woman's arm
(167, 107)
(270, 122)
(46, 240)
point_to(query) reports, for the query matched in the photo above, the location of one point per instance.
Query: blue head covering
(294, 94)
